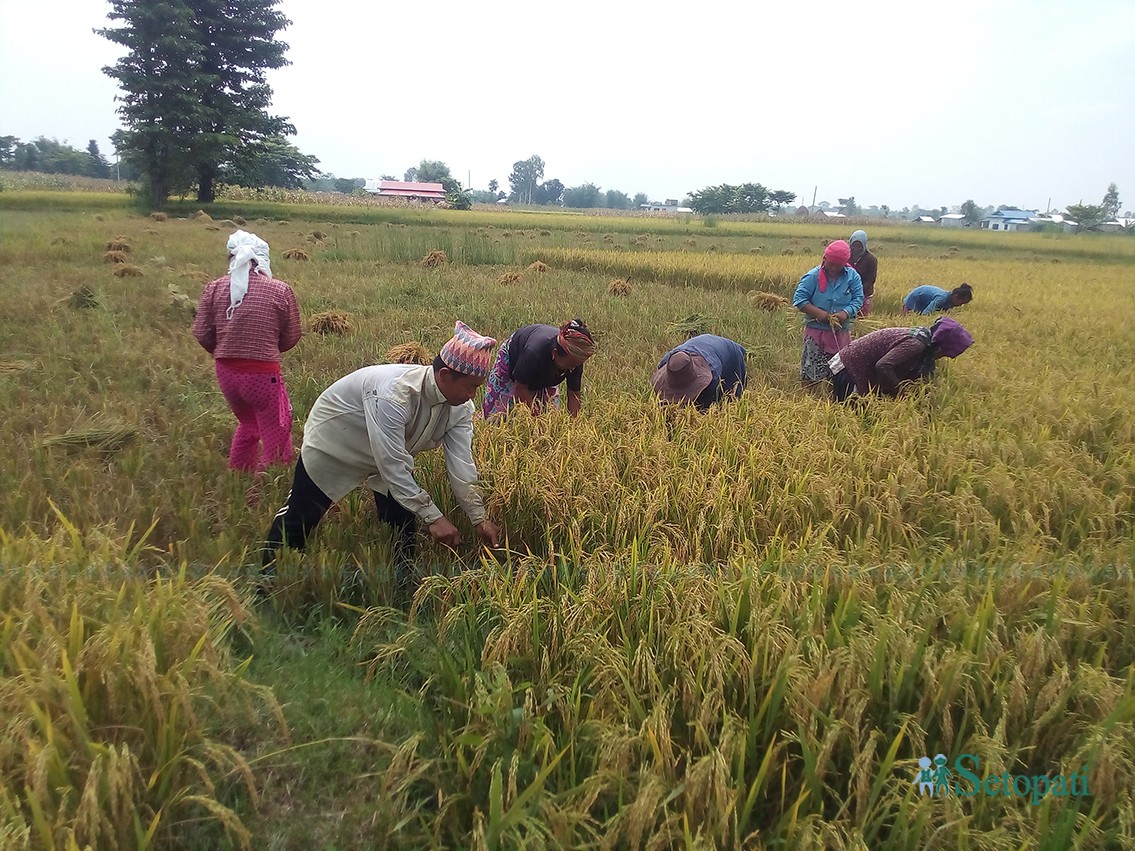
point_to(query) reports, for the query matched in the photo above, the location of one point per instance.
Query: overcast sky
(896, 103)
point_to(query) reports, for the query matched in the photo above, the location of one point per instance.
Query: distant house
(954, 220)
(430, 192)
(1116, 225)
(1008, 220)
(671, 206)
(923, 220)
(1056, 220)
(833, 214)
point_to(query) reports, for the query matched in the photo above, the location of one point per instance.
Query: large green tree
(1111, 202)
(525, 177)
(194, 96)
(726, 198)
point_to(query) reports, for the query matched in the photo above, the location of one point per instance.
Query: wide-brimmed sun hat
(682, 378)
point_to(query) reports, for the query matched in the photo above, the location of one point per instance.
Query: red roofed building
(403, 189)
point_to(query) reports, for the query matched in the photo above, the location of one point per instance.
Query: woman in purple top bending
(884, 361)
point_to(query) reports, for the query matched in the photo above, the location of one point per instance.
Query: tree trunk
(205, 190)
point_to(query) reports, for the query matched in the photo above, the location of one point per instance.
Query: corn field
(741, 629)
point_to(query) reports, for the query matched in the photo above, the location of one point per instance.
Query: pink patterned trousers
(264, 415)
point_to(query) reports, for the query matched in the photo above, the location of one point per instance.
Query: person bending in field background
(888, 360)
(929, 299)
(533, 362)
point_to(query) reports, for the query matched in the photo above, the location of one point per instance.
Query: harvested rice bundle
(84, 297)
(159, 216)
(331, 322)
(538, 266)
(509, 278)
(104, 437)
(118, 244)
(59, 240)
(240, 221)
(692, 325)
(619, 287)
(180, 303)
(16, 365)
(114, 257)
(296, 254)
(768, 301)
(412, 352)
(202, 216)
(128, 270)
(434, 259)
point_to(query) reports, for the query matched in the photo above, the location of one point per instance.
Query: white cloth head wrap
(244, 248)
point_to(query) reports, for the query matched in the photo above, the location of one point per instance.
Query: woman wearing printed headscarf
(830, 295)
(533, 362)
(867, 265)
(245, 320)
(885, 361)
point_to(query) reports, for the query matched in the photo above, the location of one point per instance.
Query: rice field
(737, 630)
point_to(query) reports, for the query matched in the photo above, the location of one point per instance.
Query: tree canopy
(195, 100)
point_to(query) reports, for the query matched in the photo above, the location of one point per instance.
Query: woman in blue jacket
(830, 295)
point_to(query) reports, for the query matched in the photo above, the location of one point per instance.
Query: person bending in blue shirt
(929, 299)
(703, 370)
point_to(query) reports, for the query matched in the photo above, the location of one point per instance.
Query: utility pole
(815, 189)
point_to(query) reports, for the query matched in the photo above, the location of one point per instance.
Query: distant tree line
(51, 156)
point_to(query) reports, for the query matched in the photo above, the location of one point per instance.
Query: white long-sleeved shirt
(369, 425)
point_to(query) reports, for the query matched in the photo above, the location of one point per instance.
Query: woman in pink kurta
(245, 320)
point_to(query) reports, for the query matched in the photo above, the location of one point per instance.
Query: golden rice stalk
(84, 297)
(158, 216)
(128, 270)
(768, 301)
(619, 286)
(538, 266)
(211, 227)
(106, 438)
(114, 257)
(331, 322)
(296, 254)
(412, 352)
(545, 233)
(16, 365)
(434, 259)
(509, 278)
(118, 244)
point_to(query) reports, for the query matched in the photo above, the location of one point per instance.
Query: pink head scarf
(836, 252)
